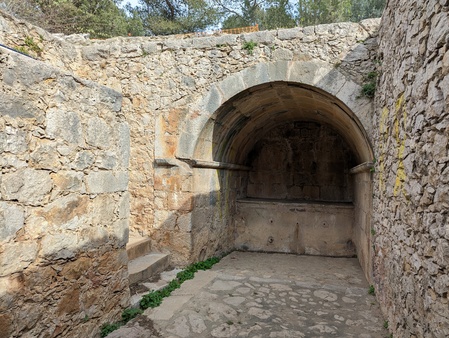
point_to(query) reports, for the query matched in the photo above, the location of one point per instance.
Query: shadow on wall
(71, 292)
(192, 226)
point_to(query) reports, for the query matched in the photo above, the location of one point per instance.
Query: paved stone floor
(267, 295)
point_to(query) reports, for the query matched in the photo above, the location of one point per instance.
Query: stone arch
(319, 77)
(222, 130)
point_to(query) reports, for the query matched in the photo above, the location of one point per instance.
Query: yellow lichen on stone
(383, 138)
(401, 176)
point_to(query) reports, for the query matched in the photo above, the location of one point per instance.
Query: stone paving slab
(261, 295)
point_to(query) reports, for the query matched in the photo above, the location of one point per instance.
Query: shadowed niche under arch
(245, 118)
(290, 173)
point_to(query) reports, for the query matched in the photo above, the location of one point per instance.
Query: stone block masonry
(64, 205)
(64, 145)
(411, 200)
(162, 79)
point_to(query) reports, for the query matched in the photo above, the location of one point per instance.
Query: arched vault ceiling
(244, 119)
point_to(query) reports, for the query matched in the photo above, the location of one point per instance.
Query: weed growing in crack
(154, 298)
(249, 46)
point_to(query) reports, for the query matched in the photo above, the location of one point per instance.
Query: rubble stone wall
(411, 201)
(64, 205)
(164, 80)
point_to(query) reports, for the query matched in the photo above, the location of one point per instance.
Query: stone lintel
(213, 165)
(364, 167)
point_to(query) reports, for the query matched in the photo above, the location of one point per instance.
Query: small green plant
(369, 87)
(371, 290)
(108, 328)
(86, 318)
(229, 322)
(144, 52)
(33, 46)
(23, 50)
(249, 46)
(129, 314)
(386, 324)
(373, 231)
(154, 298)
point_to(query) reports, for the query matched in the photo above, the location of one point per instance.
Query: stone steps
(138, 247)
(156, 283)
(143, 264)
(145, 267)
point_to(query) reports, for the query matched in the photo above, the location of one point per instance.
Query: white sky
(133, 3)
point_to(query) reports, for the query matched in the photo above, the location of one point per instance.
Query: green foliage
(105, 18)
(175, 16)
(29, 41)
(249, 46)
(369, 87)
(363, 9)
(154, 298)
(129, 314)
(99, 18)
(371, 290)
(23, 50)
(108, 328)
(151, 300)
(373, 232)
(314, 12)
(386, 324)
(268, 14)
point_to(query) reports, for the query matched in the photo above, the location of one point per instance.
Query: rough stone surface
(164, 80)
(267, 295)
(63, 202)
(411, 181)
(182, 105)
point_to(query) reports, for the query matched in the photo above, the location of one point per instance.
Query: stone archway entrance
(291, 175)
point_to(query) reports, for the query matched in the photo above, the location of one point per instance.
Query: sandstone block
(121, 232)
(65, 125)
(59, 246)
(106, 182)
(45, 157)
(11, 220)
(123, 206)
(28, 186)
(289, 34)
(68, 181)
(83, 160)
(17, 256)
(98, 133)
(180, 201)
(282, 54)
(13, 140)
(260, 37)
(123, 145)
